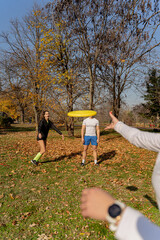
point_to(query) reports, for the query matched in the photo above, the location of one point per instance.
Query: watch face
(114, 210)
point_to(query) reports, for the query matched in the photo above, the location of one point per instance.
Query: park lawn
(44, 202)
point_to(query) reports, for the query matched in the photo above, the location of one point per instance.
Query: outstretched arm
(132, 224)
(150, 141)
(57, 130)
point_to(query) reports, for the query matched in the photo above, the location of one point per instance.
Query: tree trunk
(114, 97)
(91, 90)
(37, 112)
(70, 124)
(22, 115)
(116, 105)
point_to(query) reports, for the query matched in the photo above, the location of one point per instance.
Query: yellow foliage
(8, 106)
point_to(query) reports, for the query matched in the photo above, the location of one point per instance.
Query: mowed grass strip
(44, 202)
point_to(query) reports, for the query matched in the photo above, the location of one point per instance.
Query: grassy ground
(44, 202)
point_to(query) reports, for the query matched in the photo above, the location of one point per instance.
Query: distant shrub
(5, 121)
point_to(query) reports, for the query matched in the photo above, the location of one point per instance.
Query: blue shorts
(92, 139)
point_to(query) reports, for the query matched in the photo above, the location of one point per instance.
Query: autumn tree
(86, 29)
(15, 86)
(27, 57)
(113, 37)
(128, 42)
(8, 106)
(60, 52)
(43, 57)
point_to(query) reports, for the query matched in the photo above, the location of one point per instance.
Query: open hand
(113, 123)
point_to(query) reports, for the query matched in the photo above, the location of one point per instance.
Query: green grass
(44, 202)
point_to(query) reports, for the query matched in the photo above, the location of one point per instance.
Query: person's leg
(84, 154)
(85, 147)
(94, 147)
(42, 144)
(94, 153)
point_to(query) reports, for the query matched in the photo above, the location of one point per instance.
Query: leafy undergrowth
(44, 202)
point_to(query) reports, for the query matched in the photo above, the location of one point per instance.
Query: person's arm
(135, 226)
(98, 133)
(150, 141)
(131, 225)
(56, 129)
(40, 125)
(82, 132)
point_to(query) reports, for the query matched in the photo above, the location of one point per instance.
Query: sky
(11, 9)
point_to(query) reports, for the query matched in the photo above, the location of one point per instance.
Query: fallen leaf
(1, 196)
(32, 225)
(14, 222)
(11, 196)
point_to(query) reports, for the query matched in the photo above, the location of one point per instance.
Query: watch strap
(113, 221)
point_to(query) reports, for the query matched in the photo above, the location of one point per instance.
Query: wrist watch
(114, 214)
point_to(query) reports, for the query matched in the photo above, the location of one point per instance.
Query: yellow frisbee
(82, 113)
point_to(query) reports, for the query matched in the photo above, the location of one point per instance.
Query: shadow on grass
(62, 157)
(110, 138)
(104, 132)
(88, 162)
(106, 156)
(132, 188)
(151, 201)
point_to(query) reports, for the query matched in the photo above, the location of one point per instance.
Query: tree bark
(22, 115)
(70, 124)
(91, 91)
